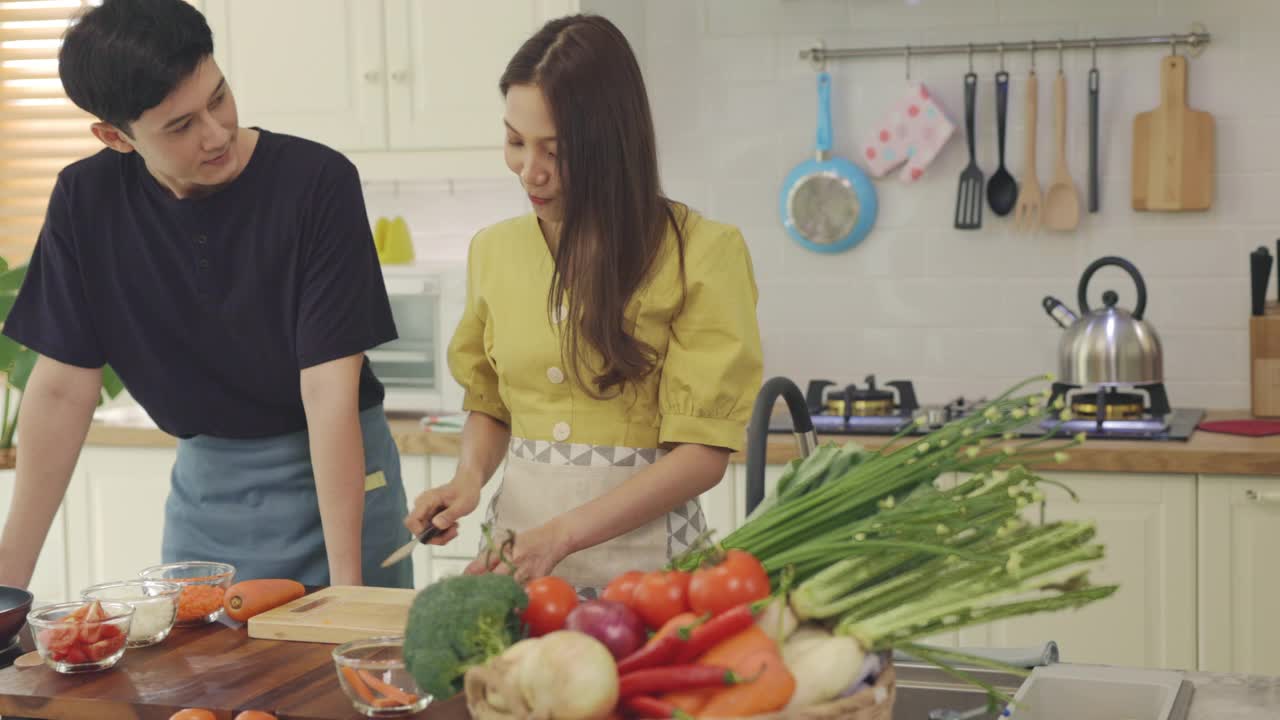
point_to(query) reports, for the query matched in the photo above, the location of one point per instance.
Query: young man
(229, 276)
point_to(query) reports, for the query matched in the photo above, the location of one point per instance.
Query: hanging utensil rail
(1193, 41)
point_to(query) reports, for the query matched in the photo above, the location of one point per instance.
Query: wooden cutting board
(1173, 148)
(336, 614)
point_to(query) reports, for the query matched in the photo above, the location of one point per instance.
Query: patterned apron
(253, 503)
(580, 473)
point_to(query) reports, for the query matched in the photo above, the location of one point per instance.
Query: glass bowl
(70, 644)
(372, 674)
(154, 602)
(204, 584)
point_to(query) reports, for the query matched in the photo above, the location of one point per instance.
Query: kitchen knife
(1278, 271)
(1260, 270)
(407, 549)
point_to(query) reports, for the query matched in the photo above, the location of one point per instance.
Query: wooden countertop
(1205, 453)
(218, 667)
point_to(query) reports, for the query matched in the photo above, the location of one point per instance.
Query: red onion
(612, 623)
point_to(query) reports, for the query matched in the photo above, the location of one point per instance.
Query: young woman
(609, 347)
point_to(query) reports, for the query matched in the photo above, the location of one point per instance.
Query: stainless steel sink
(926, 693)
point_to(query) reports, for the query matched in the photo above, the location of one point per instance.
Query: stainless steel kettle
(1110, 345)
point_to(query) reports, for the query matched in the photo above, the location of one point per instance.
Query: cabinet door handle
(372, 76)
(400, 76)
(1262, 497)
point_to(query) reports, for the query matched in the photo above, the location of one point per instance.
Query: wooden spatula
(1173, 148)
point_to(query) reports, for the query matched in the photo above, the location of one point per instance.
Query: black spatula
(969, 196)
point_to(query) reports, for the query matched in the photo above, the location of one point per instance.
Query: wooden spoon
(1062, 201)
(30, 660)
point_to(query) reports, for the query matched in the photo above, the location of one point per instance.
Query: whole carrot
(770, 689)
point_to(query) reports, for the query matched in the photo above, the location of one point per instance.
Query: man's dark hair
(124, 57)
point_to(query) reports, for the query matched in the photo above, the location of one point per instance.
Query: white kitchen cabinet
(116, 507)
(312, 68)
(1148, 525)
(408, 89)
(50, 582)
(1239, 583)
(445, 59)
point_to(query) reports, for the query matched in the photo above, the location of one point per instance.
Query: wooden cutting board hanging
(336, 614)
(1173, 148)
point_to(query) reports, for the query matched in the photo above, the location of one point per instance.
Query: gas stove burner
(1141, 412)
(1118, 406)
(869, 401)
(854, 410)
(1109, 403)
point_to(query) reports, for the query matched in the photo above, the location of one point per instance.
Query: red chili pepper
(721, 627)
(660, 652)
(675, 678)
(650, 707)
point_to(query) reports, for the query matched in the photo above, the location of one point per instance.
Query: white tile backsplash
(957, 312)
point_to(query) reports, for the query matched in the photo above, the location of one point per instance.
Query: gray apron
(544, 479)
(253, 503)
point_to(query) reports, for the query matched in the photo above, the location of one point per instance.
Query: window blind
(40, 130)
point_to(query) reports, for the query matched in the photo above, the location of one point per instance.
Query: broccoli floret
(457, 623)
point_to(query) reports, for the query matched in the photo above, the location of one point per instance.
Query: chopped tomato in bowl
(81, 636)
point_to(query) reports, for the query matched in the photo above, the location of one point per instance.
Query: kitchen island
(221, 668)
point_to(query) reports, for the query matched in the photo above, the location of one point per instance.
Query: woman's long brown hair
(615, 215)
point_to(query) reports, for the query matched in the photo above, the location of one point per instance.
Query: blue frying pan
(827, 204)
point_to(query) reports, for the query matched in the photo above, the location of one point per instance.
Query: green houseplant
(17, 362)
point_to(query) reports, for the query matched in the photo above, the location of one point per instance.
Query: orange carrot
(386, 702)
(729, 653)
(357, 684)
(770, 689)
(391, 691)
(252, 597)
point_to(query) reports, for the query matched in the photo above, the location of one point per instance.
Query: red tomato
(738, 579)
(621, 588)
(660, 596)
(90, 632)
(551, 599)
(96, 613)
(59, 638)
(193, 714)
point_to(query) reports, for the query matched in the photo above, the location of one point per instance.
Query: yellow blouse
(506, 350)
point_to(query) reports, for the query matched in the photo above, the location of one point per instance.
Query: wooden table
(218, 667)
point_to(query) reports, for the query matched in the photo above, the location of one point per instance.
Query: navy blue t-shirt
(208, 308)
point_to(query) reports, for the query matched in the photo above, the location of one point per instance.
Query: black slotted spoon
(969, 195)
